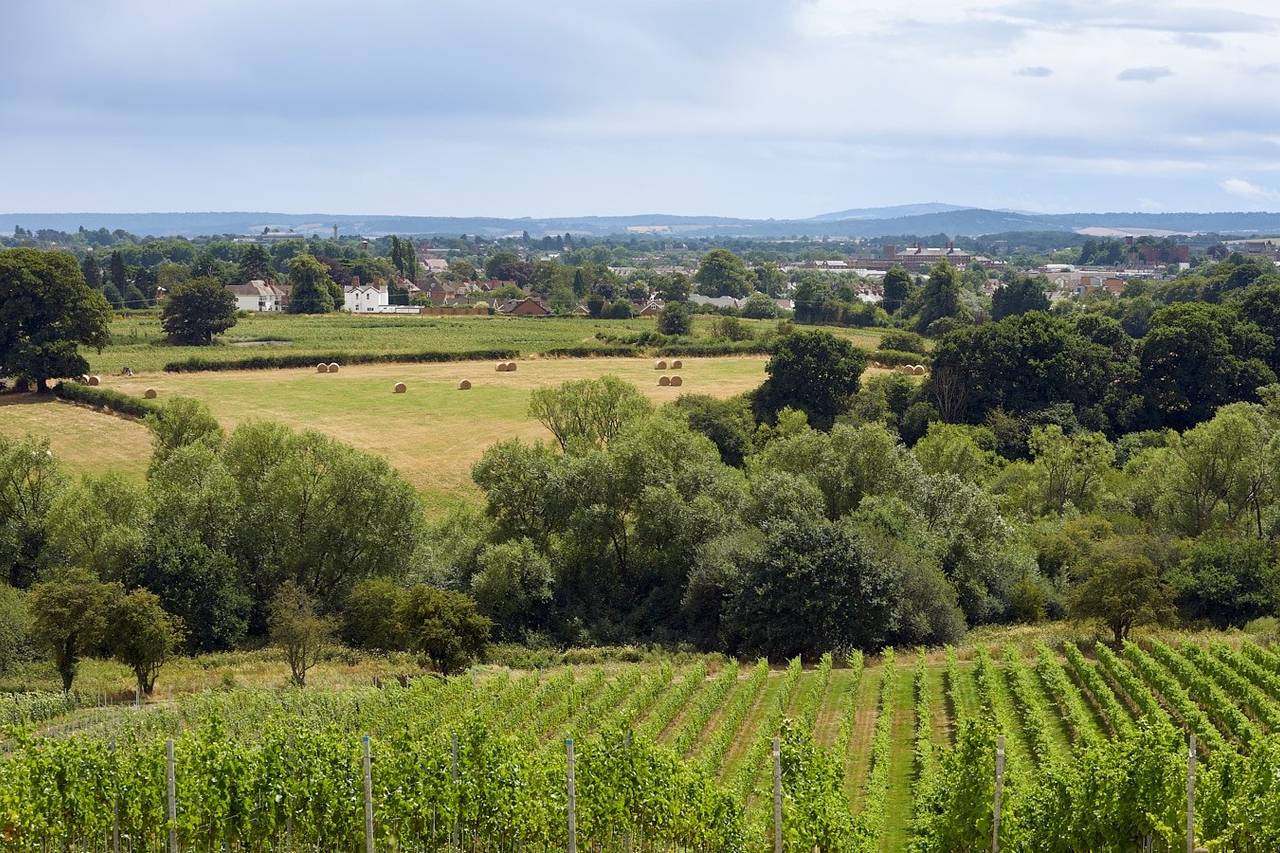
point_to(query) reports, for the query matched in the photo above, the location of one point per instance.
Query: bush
(98, 396)
(15, 628)
(893, 358)
(369, 615)
(718, 348)
(272, 362)
(760, 307)
(675, 319)
(900, 339)
(586, 351)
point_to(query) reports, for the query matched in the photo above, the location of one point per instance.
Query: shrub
(893, 357)
(272, 362)
(901, 339)
(98, 396)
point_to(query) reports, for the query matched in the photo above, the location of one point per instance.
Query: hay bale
(660, 364)
(664, 381)
(876, 364)
(676, 381)
(84, 379)
(150, 393)
(502, 367)
(511, 367)
(95, 380)
(400, 388)
(677, 364)
(464, 385)
(333, 367)
(918, 370)
(322, 368)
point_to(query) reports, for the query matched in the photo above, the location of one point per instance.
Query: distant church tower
(335, 231)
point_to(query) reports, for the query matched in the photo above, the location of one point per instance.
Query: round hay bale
(464, 385)
(84, 379)
(511, 367)
(676, 381)
(333, 367)
(95, 380)
(876, 364)
(664, 381)
(322, 368)
(918, 370)
(502, 367)
(677, 364)
(150, 393)
(400, 388)
(660, 364)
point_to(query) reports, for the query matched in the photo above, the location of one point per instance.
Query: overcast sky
(783, 108)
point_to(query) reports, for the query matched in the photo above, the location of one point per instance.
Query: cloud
(1145, 74)
(1034, 71)
(1199, 41)
(1246, 189)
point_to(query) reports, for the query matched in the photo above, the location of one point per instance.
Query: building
(259, 295)
(365, 298)
(527, 307)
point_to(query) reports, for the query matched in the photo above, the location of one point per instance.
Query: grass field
(1047, 704)
(138, 341)
(433, 433)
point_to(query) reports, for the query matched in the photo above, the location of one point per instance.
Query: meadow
(138, 341)
(698, 750)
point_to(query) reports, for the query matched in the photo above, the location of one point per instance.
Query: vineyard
(890, 753)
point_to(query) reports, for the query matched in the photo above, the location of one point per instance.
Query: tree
(513, 585)
(99, 523)
(369, 615)
(297, 630)
(68, 614)
(675, 319)
(1122, 589)
(1227, 581)
(507, 266)
(30, 482)
(197, 310)
(92, 272)
(1026, 293)
(674, 287)
(588, 412)
(770, 280)
(118, 272)
(760, 307)
(48, 313)
(1069, 469)
(312, 287)
(255, 263)
(941, 297)
(142, 636)
(443, 627)
(814, 372)
(897, 287)
(183, 421)
(722, 273)
(15, 627)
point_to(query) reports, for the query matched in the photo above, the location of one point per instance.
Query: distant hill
(899, 221)
(892, 212)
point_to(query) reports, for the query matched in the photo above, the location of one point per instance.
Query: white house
(365, 298)
(259, 295)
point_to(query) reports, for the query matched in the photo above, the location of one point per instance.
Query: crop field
(679, 756)
(138, 341)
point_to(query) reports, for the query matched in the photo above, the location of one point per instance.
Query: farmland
(138, 341)
(865, 745)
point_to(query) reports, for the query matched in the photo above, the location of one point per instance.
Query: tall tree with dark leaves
(92, 272)
(255, 263)
(118, 277)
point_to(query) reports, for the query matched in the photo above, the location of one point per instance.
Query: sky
(757, 108)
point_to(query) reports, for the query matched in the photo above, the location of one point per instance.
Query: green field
(138, 341)
(886, 726)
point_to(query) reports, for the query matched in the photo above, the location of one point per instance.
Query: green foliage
(1023, 294)
(759, 306)
(30, 480)
(297, 630)
(97, 396)
(272, 362)
(902, 341)
(313, 290)
(369, 615)
(675, 319)
(141, 635)
(49, 312)
(813, 372)
(68, 615)
(182, 422)
(443, 627)
(588, 412)
(941, 297)
(1122, 590)
(722, 273)
(15, 628)
(198, 309)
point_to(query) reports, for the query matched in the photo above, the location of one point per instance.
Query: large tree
(1026, 293)
(255, 263)
(941, 297)
(897, 284)
(313, 289)
(722, 273)
(814, 372)
(197, 310)
(443, 627)
(69, 613)
(46, 313)
(142, 636)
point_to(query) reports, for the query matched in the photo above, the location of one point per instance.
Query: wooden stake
(573, 799)
(368, 797)
(777, 796)
(173, 796)
(455, 833)
(995, 822)
(1191, 794)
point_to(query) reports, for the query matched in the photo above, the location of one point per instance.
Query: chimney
(355, 281)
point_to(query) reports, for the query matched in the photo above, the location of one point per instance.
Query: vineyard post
(288, 806)
(1191, 794)
(777, 796)
(626, 833)
(368, 796)
(573, 798)
(172, 796)
(454, 833)
(995, 822)
(115, 804)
